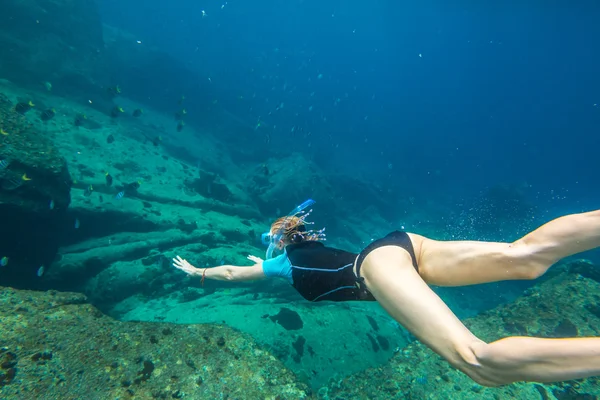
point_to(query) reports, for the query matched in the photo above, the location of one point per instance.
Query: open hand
(185, 266)
(255, 259)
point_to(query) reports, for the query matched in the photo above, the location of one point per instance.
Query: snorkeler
(396, 271)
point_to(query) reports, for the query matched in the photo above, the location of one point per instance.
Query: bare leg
(391, 278)
(458, 263)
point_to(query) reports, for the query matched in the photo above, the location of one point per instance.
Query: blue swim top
(279, 267)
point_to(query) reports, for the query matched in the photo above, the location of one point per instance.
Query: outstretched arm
(224, 272)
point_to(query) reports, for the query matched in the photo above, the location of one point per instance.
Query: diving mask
(272, 239)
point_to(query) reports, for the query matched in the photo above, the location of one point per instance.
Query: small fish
(22, 107)
(79, 119)
(48, 114)
(77, 223)
(181, 99)
(11, 183)
(156, 141)
(133, 185)
(109, 179)
(120, 195)
(88, 191)
(116, 111)
(110, 139)
(48, 86)
(137, 112)
(180, 126)
(4, 164)
(51, 204)
(25, 177)
(114, 90)
(40, 271)
(3, 132)
(3, 261)
(180, 114)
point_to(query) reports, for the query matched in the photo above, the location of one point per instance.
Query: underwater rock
(209, 185)
(298, 346)
(61, 39)
(148, 70)
(415, 372)
(55, 345)
(34, 194)
(107, 269)
(34, 172)
(287, 318)
(373, 323)
(284, 185)
(585, 268)
(66, 41)
(291, 177)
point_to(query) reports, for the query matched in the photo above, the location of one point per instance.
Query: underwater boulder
(50, 40)
(56, 346)
(287, 318)
(33, 174)
(285, 182)
(149, 71)
(34, 194)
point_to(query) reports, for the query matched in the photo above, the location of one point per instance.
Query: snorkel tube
(272, 239)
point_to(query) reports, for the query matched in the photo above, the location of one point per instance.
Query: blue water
(454, 120)
(501, 93)
(432, 100)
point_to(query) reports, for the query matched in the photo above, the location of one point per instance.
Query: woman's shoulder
(308, 244)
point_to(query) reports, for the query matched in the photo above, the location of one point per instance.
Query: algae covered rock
(44, 40)
(55, 345)
(33, 172)
(34, 194)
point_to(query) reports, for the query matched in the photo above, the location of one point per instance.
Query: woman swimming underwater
(396, 271)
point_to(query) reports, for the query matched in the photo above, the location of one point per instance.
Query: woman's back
(323, 273)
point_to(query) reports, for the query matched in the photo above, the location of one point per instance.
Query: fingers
(183, 265)
(254, 258)
(179, 263)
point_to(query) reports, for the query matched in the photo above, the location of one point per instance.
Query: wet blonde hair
(290, 226)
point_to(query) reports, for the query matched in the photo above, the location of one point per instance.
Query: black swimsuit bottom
(396, 238)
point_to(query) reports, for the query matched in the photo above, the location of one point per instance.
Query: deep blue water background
(501, 94)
